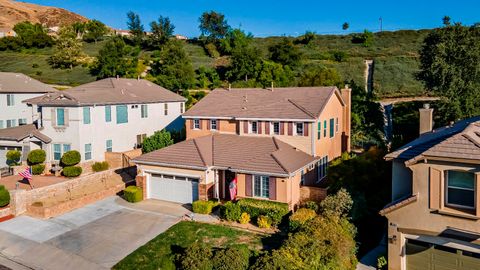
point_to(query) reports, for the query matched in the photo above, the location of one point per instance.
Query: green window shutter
(319, 130)
(108, 113)
(325, 128)
(86, 115)
(332, 126)
(60, 117)
(122, 114)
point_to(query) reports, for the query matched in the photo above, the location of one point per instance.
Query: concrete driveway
(96, 236)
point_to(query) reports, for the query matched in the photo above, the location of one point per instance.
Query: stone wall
(122, 159)
(308, 193)
(20, 199)
(5, 212)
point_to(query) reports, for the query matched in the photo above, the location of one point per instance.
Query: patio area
(37, 181)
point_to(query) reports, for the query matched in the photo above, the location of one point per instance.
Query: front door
(229, 176)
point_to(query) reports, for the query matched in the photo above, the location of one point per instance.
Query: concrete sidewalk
(369, 261)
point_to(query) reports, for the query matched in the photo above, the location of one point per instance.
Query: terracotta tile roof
(281, 103)
(398, 204)
(21, 132)
(461, 141)
(239, 153)
(20, 83)
(109, 91)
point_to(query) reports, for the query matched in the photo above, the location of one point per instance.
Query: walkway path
(369, 261)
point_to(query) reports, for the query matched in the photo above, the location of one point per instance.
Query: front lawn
(160, 252)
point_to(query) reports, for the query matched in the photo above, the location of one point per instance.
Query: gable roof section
(300, 103)
(21, 132)
(238, 153)
(21, 84)
(460, 141)
(109, 91)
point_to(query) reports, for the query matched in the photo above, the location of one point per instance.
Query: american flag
(26, 174)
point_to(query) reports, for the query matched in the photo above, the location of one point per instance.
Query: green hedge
(274, 210)
(72, 171)
(299, 218)
(36, 156)
(230, 211)
(100, 166)
(38, 169)
(70, 158)
(133, 194)
(203, 207)
(4, 196)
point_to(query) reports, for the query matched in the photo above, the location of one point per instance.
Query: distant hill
(13, 12)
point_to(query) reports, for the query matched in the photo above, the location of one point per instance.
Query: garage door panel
(174, 189)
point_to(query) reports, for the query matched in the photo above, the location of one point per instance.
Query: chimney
(426, 119)
(346, 94)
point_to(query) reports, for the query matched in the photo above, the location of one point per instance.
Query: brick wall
(312, 194)
(205, 191)
(141, 181)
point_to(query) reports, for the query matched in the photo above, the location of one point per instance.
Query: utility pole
(381, 24)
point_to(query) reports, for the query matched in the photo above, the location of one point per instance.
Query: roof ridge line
(301, 108)
(199, 152)
(278, 162)
(468, 137)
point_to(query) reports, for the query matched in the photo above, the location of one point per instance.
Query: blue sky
(280, 17)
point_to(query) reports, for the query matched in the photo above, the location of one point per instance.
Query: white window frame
(57, 118)
(144, 111)
(256, 178)
(212, 121)
(273, 128)
(196, 123)
(10, 100)
(256, 127)
(11, 123)
(22, 121)
(62, 149)
(447, 187)
(111, 145)
(91, 152)
(296, 128)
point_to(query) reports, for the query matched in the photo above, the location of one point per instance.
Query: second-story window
(254, 127)
(213, 124)
(196, 123)
(325, 128)
(108, 113)
(165, 108)
(122, 114)
(60, 117)
(299, 129)
(332, 123)
(181, 107)
(460, 191)
(86, 115)
(10, 100)
(319, 130)
(144, 112)
(276, 128)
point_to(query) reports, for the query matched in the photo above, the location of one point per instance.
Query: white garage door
(173, 188)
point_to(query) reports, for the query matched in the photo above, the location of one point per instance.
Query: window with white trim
(109, 146)
(11, 123)
(196, 123)
(460, 189)
(261, 185)
(322, 165)
(299, 129)
(254, 127)
(59, 150)
(22, 121)
(144, 110)
(165, 108)
(213, 124)
(10, 100)
(60, 117)
(88, 151)
(276, 128)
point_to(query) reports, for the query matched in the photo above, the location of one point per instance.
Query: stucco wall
(18, 111)
(326, 146)
(401, 180)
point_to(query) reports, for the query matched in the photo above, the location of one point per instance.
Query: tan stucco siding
(223, 126)
(159, 169)
(326, 146)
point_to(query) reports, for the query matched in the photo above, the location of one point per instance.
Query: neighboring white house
(14, 88)
(110, 115)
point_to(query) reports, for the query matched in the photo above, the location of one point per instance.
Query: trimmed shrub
(38, 169)
(196, 257)
(274, 210)
(382, 262)
(230, 211)
(312, 205)
(100, 166)
(71, 158)
(299, 218)
(203, 207)
(36, 157)
(244, 218)
(264, 222)
(133, 194)
(4, 196)
(72, 171)
(13, 157)
(231, 258)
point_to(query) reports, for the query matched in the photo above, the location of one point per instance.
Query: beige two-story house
(272, 141)
(434, 218)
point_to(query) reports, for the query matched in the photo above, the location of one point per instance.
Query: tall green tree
(115, 58)
(319, 76)
(94, 30)
(450, 68)
(285, 53)
(33, 35)
(213, 25)
(271, 72)
(135, 26)
(172, 68)
(207, 78)
(68, 49)
(79, 28)
(244, 64)
(235, 39)
(162, 30)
